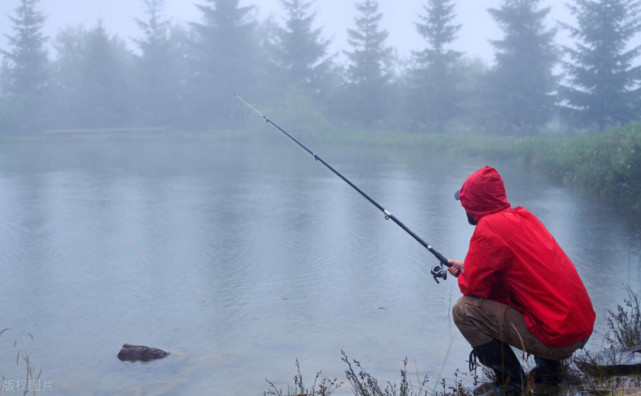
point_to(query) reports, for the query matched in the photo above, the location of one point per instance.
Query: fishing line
(437, 272)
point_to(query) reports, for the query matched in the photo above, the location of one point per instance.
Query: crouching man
(519, 288)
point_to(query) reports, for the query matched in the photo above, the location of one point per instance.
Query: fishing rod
(437, 272)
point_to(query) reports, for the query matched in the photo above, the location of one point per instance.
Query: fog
(141, 203)
(105, 70)
(333, 16)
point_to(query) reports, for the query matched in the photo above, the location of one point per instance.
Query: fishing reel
(439, 272)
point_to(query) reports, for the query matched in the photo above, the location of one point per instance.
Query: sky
(333, 16)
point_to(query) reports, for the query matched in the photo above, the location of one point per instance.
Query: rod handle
(439, 256)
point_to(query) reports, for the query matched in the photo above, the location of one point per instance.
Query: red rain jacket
(513, 259)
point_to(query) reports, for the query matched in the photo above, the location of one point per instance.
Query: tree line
(184, 76)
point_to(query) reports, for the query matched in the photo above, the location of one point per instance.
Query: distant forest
(184, 76)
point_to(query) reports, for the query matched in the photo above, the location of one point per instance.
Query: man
(519, 288)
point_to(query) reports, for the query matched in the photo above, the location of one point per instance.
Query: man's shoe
(546, 372)
(500, 357)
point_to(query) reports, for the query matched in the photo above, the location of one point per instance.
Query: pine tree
(603, 83)
(69, 46)
(92, 71)
(26, 70)
(434, 92)
(157, 70)
(303, 52)
(5, 118)
(522, 79)
(370, 63)
(225, 61)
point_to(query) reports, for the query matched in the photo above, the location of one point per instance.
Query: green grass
(606, 165)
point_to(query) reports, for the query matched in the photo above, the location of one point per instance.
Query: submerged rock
(133, 353)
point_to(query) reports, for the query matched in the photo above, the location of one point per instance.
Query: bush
(624, 323)
(607, 165)
(323, 388)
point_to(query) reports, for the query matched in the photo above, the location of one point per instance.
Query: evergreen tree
(26, 70)
(69, 45)
(435, 95)
(475, 91)
(303, 52)
(5, 120)
(157, 71)
(93, 84)
(522, 79)
(603, 82)
(105, 90)
(225, 63)
(369, 72)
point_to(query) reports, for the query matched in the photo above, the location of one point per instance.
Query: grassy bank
(607, 165)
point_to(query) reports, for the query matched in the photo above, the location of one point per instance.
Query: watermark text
(22, 385)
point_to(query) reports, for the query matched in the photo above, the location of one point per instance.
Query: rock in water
(133, 353)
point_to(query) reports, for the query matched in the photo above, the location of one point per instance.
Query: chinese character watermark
(27, 386)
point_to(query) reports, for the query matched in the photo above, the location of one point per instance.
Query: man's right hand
(456, 268)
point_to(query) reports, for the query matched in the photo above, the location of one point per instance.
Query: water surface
(241, 256)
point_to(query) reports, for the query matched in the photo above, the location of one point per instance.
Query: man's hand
(456, 268)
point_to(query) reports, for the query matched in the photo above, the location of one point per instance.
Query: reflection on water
(241, 257)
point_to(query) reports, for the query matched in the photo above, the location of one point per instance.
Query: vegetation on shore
(583, 373)
(607, 165)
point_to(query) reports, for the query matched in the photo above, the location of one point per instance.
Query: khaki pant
(481, 320)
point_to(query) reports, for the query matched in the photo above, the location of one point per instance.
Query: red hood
(483, 193)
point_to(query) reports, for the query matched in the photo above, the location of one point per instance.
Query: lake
(241, 255)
